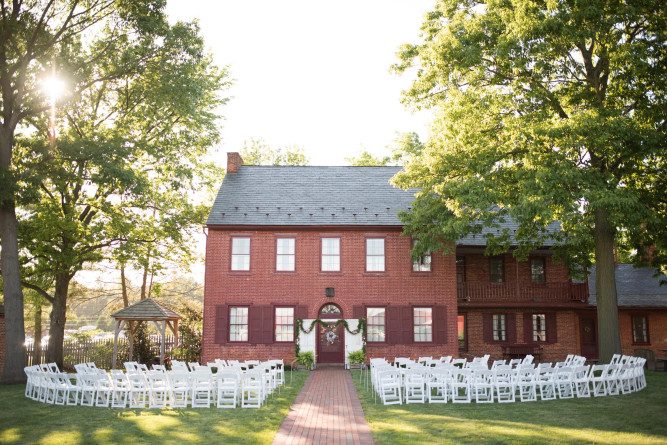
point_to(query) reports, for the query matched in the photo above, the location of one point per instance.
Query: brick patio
(326, 411)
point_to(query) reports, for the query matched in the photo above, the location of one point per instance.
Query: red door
(330, 345)
(589, 338)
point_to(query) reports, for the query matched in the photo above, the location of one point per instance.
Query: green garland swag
(361, 327)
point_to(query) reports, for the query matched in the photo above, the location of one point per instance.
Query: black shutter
(552, 327)
(221, 324)
(440, 324)
(358, 311)
(268, 325)
(407, 325)
(255, 324)
(393, 324)
(487, 327)
(510, 327)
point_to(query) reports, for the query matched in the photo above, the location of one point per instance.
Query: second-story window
(285, 254)
(240, 253)
(375, 255)
(423, 263)
(537, 274)
(330, 254)
(497, 269)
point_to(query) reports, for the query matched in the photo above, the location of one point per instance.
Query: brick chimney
(234, 161)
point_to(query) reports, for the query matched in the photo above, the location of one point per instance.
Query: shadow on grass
(28, 422)
(637, 418)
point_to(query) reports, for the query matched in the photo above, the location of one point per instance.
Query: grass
(24, 421)
(638, 418)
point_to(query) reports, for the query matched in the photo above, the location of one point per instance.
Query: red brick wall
(657, 326)
(567, 336)
(2, 340)
(477, 269)
(398, 285)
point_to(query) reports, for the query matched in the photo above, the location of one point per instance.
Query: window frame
(293, 254)
(339, 255)
(276, 324)
(544, 270)
(383, 256)
(415, 325)
(369, 324)
(417, 265)
(499, 328)
(498, 260)
(647, 338)
(535, 338)
(233, 255)
(229, 323)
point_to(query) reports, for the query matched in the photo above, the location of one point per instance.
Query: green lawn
(23, 421)
(638, 418)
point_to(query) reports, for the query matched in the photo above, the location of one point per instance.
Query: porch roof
(635, 287)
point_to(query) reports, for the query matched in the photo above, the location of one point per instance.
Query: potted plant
(356, 359)
(306, 359)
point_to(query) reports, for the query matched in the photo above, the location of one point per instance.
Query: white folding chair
(252, 389)
(104, 387)
(461, 385)
(436, 385)
(179, 384)
(138, 394)
(505, 385)
(202, 387)
(228, 389)
(121, 386)
(564, 381)
(526, 385)
(389, 386)
(158, 389)
(482, 385)
(544, 379)
(415, 383)
(580, 378)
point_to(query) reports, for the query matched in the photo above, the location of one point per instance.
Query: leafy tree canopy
(545, 111)
(366, 159)
(258, 152)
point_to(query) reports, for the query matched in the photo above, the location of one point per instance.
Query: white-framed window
(423, 263)
(537, 270)
(499, 332)
(423, 324)
(240, 253)
(330, 254)
(238, 324)
(376, 329)
(284, 324)
(539, 327)
(374, 254)
(285, 254)
(640, 329)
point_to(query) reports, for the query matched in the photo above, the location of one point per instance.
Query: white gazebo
(145, 310)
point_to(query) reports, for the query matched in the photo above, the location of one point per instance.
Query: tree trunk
(11, 274)
(123, 286)
(37, 355)
(144, 280)
(58, 318)
(605, 287)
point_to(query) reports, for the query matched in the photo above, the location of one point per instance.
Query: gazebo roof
(147, 309)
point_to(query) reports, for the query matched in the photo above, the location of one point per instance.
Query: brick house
(288, 243)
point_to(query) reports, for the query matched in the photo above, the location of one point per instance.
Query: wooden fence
(98, 351)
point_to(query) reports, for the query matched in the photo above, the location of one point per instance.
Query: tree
(141, 109)
(257, 152)
(366, 159)
(545, 112)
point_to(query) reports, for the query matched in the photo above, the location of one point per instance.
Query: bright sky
(311, 73)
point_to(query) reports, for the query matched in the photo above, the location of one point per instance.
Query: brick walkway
(326, 411)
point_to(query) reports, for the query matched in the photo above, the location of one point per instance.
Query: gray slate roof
(318, 196)
(147, 309)
(634, 287)
(309, 196)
